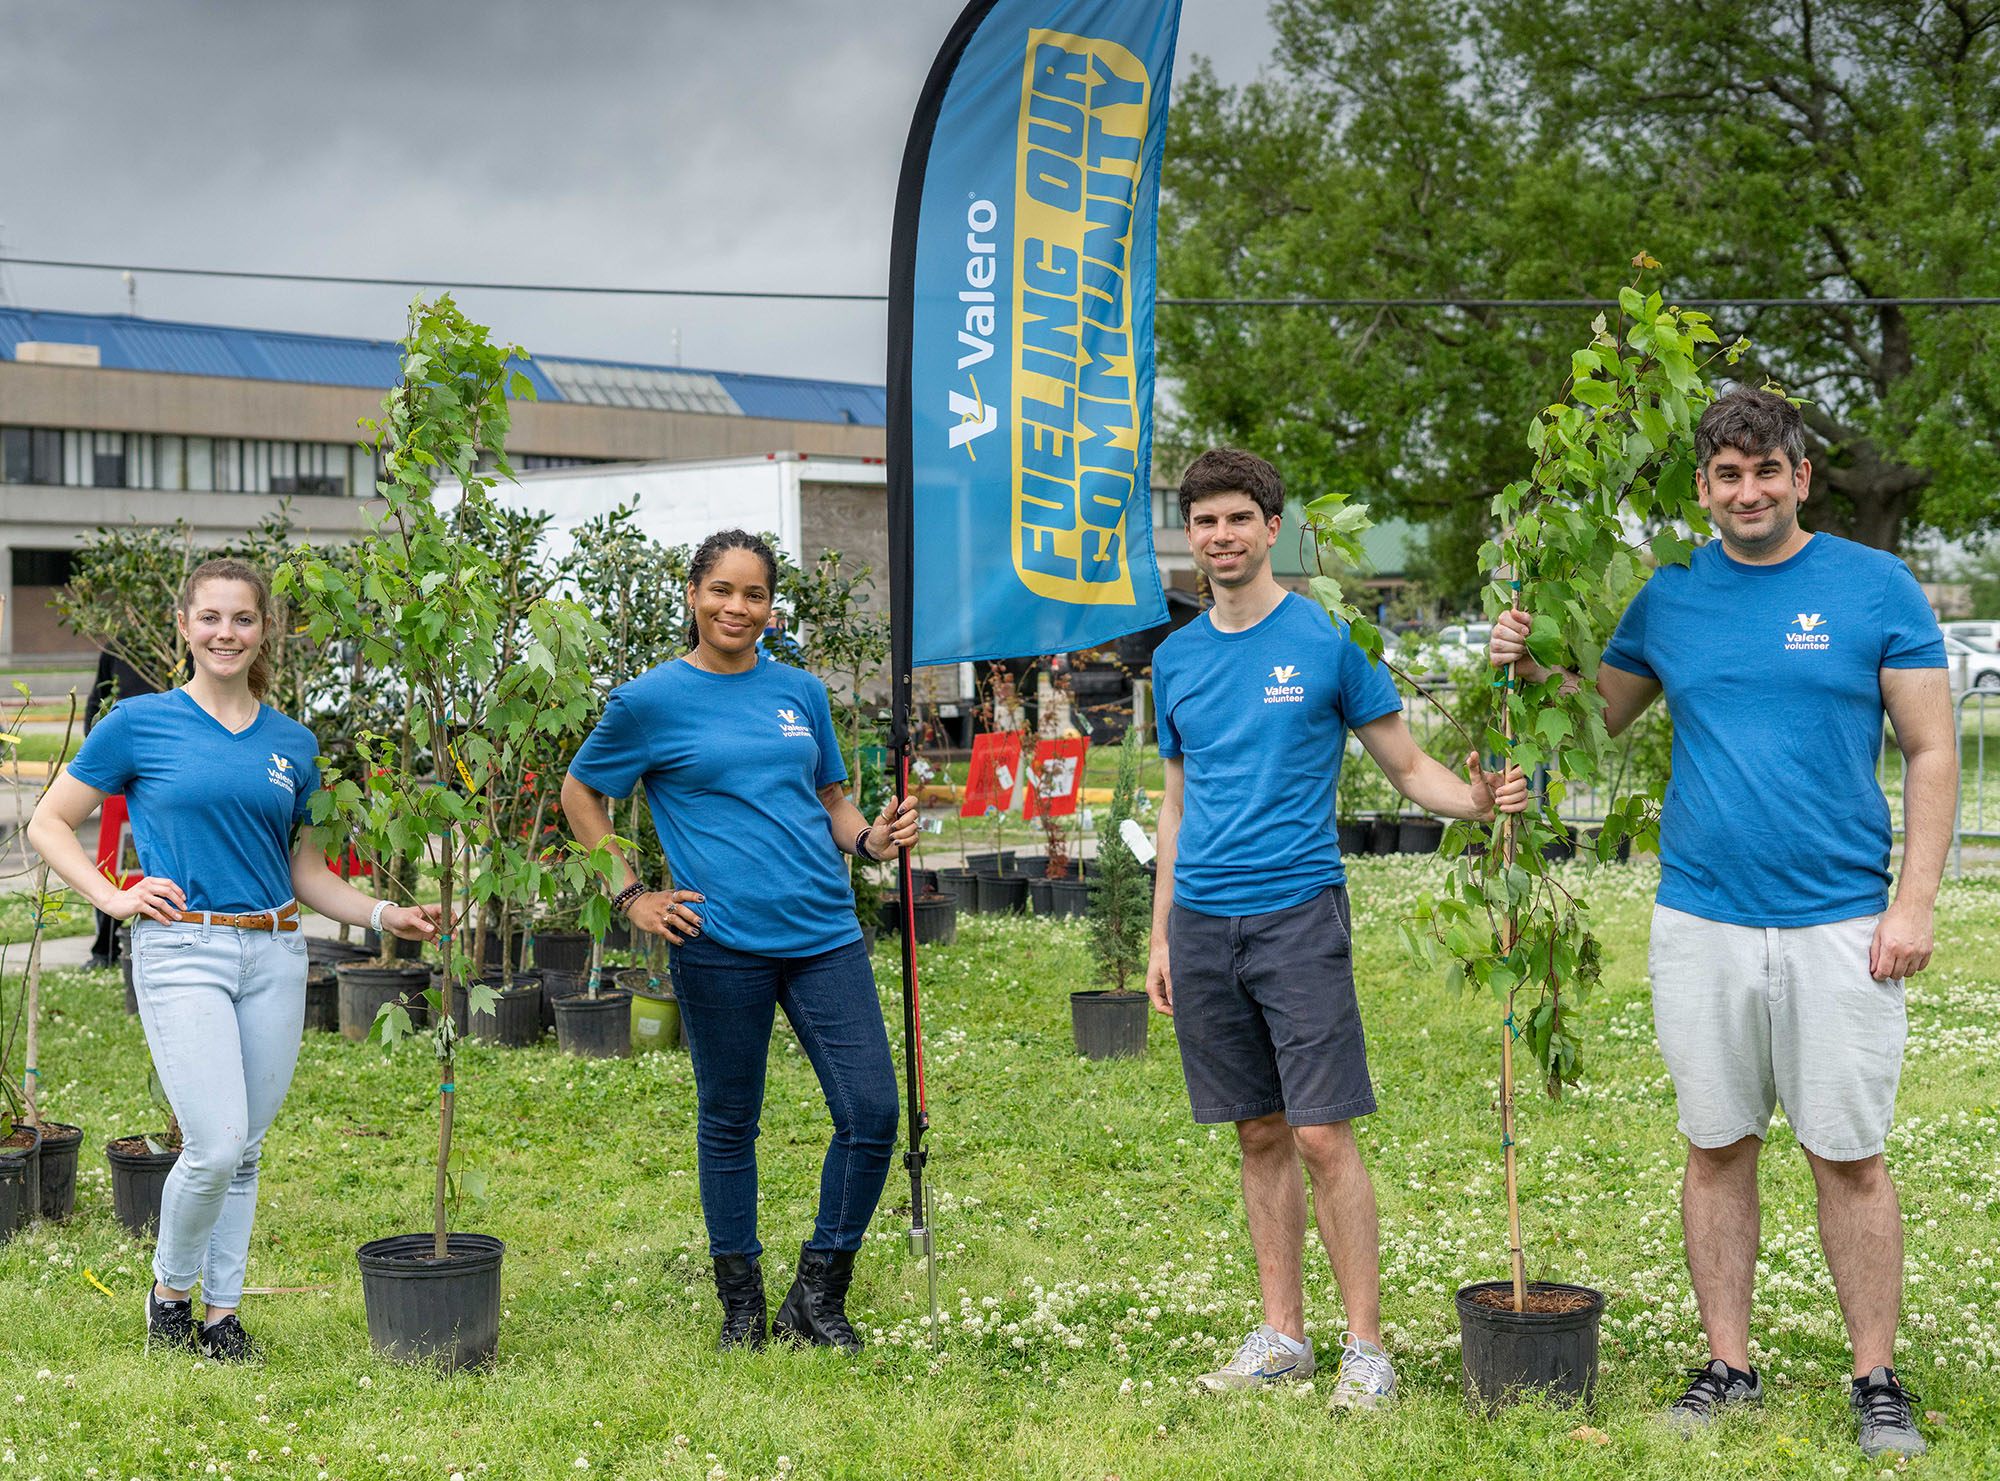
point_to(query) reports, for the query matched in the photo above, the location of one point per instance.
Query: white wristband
(375, 916)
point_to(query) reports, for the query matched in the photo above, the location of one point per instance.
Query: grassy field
(1094, 1258)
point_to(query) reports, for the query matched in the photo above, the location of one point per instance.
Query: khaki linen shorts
(1750, 1016)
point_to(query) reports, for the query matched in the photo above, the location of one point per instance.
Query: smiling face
(732, 602)
(1753, 500)
(1230, 538)
(224, 628)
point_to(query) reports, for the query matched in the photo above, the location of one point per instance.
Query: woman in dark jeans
(743, 775)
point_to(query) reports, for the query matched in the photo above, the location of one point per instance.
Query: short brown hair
(1751, 421)
(225, 569)
(1229, 470)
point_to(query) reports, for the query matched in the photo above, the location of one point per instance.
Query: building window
(42, 567)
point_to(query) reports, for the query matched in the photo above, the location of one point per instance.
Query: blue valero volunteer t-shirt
(211, 810)
(1260, 719)
(732, 765)
(1772, 677)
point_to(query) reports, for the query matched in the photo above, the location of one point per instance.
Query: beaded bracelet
(627, 895)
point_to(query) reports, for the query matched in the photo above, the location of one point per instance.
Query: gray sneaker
(1261, 1360)
(1367, 1379)
(1882, 1415)
(1714, 1389)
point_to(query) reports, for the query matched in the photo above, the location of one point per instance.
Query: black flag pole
(902, 599)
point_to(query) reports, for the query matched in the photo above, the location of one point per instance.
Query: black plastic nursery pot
(1109, 1025)
(936, 920)
(1354, 834)
(364, 989)
(20, 1194)
(138, 1178)
(425, 1310)
(516, 1019)
(618, 936)
(566, 951)
(1069, 897)
(1002, 894)
(562, 984)
(326, 951)
(1504, 1353)
(996, 863)
(399, 949)
(1419, 835)
(1041, 896)
(596, 1028)
(322, 1001)
(1385, 835)
(964, 883)
(55, 1168)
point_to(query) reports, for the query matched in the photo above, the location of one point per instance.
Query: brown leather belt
(284, 918)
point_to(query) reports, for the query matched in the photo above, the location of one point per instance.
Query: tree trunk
(31, 1079)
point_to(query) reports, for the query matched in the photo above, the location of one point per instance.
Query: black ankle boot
(739, 1282)
(815, 1309)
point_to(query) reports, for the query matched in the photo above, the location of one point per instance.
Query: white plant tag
(1137, 841)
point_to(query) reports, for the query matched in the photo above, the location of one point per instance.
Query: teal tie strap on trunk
(447, 1087)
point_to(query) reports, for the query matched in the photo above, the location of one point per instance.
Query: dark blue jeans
(726, 999)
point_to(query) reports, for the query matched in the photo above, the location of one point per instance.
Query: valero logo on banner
(1081, 144)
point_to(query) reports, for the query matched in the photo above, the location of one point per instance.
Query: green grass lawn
(73, 917)
(1093, 1260)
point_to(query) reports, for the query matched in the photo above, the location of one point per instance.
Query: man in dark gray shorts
(1250, 951)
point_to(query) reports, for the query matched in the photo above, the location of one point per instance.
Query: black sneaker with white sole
(1713, 1389)
(169, 1324)
(226, 1341)
(1883, 1417)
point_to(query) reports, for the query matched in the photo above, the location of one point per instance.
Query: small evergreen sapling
(1121, 892)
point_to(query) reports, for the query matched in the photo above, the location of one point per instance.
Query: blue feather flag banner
(1021, 333)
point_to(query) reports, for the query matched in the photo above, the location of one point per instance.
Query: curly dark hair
(1229, 470)
(1753, 422)
(710, 551)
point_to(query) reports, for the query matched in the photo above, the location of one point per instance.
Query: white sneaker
(1367, 1379)
(1262, 1359)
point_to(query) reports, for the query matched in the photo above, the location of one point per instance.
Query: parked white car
(1971, 668)
(1982, 635)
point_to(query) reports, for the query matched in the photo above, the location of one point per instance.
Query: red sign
(996, 765)
(114, 845)
(1055, 781)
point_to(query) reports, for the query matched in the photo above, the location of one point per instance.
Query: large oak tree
(1527, 149)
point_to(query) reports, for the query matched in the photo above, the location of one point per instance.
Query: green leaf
(1545, 641)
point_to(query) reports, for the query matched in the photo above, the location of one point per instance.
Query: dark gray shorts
(1265, 1013)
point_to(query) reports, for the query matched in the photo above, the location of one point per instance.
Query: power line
(1482, 304)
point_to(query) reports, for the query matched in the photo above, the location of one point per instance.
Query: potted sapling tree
(1110, 1022)
(140, 1164)
(1612, 456)
(433, 613)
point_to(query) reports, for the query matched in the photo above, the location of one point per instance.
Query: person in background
(218, 784)
(116, 679)
(743, 775)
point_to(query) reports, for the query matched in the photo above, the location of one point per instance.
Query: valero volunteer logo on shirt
(1810, 637)
(282, 773)
(789, 725)
(1284, 691)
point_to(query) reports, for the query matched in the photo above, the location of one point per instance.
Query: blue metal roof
(125, 342)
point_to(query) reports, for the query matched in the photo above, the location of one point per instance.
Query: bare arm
(319, 888)
(661, 912)
(895, 827)
(1159, 978)
(52, 833)
(1425, 781)
(1919, 706)
(1625, 695)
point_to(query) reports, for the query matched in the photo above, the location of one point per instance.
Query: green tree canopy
(1508, 149)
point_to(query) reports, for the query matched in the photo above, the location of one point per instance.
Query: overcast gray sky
(725, 143)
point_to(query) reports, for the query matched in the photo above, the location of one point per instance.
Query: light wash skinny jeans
(223, 1010)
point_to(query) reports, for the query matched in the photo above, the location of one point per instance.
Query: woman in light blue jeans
(219, 786)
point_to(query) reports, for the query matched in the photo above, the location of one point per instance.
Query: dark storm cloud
(752, 143)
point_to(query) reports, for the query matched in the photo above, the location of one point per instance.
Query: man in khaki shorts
(1777, 956)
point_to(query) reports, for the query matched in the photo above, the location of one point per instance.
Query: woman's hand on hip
(413, 922)
(156, 899)
(666, 914)
(895, 827)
